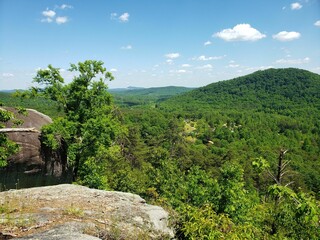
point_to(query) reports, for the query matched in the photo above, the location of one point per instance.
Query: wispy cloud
(113, 16)
(48, 20)
(258, 68)
(317, 23)
(169, 61)
(172, 55)
(113, 70)
(61, 20)
(207, 43)
(205, 67)
(232, 65)
(240, 32)
(7, 75)
(204, 58)
(180, 71)
(49, 13)
(296, 6)
(65, 6)
(185, 65)
(128, 47)
(285, 36)
(293, 61)
(124, 17)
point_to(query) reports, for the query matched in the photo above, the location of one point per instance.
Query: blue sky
(157, 43)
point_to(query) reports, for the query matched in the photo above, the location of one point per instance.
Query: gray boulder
(34, 164)
(75, 212)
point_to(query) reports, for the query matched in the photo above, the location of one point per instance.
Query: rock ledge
(69, 211)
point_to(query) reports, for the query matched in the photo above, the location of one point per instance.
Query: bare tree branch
(8, 130)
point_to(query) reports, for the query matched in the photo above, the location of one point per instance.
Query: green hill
(269, 90)
(145, 96)
(256, 115)
(41, 104)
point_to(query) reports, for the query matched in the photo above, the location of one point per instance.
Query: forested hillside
(272, 90)
(145, 96)
(257, 115)
(237, 159)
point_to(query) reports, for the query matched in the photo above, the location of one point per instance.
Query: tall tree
(89, 127)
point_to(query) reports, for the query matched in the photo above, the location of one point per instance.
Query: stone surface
(75, 212)
(34, 164)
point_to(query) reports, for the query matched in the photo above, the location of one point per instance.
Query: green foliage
(22, 100)
(89, 127)
(200, 188)
(272, 90)
(7, 147)
(207, 155)
(294, 215)
(234, 199)
(205, 223)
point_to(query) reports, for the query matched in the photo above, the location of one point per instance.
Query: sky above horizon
(157, 43)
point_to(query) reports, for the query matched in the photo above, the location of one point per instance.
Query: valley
(208, 153)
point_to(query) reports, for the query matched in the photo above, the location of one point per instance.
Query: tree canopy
(90, 127)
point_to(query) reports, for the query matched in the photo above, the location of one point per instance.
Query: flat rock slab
(69, 211)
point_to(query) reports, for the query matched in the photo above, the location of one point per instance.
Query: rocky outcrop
(76, 212)
(34, 164)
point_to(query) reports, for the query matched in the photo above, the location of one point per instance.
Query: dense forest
(129, 97)
(237, 159)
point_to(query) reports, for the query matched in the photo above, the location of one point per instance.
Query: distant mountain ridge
(159, 91)
(275, 89)
(145, 96)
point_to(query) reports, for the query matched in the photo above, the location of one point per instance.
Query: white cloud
(240, 32)
(233, 65)
(65, 6)
(207, 43)
(258, 68)
(61, 20)
(172, 55)
(296, 6)
(207, 66)
(317, 23)
(293, 61)
(124, 17)
(185, 65)
(169, 61)
(180, 71)
(49, 13)
(7, 75)
(204, 58)
(285, 36)
(113, 70)
(128, 47)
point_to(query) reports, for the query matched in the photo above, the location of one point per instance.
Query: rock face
(75, 212)
(34, 164)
